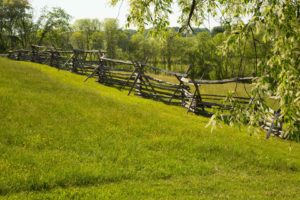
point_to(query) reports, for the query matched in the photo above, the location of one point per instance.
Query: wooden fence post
(75, 61)
(138, 88)
(102, 76)
(34, 53)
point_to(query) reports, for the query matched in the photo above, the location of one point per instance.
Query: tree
(140, 48)
(88, 27)
(168, 48)
(16, 25)
(111, 36)
(97, 40)
(276, 22)
(124, 37)
(51, 21)
(78, 40)
(216, 30)
(205, 55)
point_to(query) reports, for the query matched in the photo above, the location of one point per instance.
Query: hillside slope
(61, 138)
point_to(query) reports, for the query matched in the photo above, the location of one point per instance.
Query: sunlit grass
(61, 138)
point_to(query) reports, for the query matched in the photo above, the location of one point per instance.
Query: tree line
(174, 51)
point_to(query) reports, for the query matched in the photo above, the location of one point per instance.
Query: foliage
(77, 40)
(111, 34)
(140, 47)
(276, 23)
(97, 40)
(217, 29)
(62, 138)
(89, 28)
(16, 24)
(51, 21)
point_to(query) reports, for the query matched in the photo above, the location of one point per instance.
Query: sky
(99, 9)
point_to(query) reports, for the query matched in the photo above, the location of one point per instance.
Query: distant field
(61, 138)
(240, 89)
(221, 89)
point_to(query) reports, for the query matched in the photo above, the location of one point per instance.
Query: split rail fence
(138, 78)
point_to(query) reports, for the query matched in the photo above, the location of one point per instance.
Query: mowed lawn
(61, 138)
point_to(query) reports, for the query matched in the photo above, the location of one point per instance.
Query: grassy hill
(61, 138)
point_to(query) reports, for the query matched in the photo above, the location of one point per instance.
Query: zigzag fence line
(138, 78)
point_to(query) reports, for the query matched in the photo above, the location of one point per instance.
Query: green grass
(61, 138)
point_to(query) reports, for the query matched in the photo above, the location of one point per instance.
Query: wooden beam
(117, 61)
(223, 81)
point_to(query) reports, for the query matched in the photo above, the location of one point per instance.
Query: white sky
(95, 9)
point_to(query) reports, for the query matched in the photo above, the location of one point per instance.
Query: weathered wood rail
(137, 78)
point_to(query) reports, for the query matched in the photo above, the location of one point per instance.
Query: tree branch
(188, 23)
